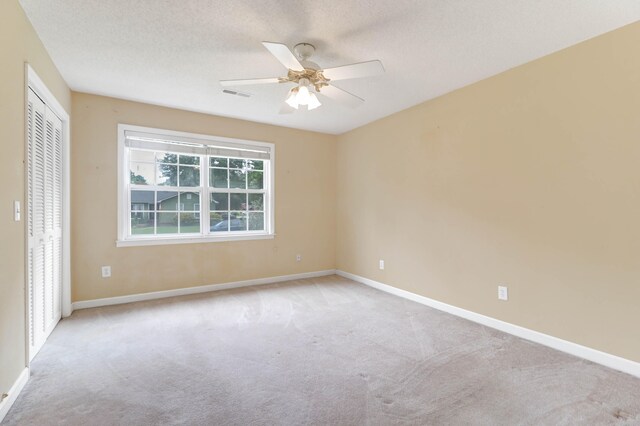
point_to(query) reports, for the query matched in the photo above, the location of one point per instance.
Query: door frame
(33, 81)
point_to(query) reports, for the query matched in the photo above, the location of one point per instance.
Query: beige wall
(530, 178)
(18, 44)
(304, 208)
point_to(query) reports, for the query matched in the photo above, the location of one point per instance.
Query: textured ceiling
(173, 53)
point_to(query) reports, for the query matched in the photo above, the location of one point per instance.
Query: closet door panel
(56, 212)
(44, 216)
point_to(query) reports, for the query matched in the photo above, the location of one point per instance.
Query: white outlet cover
(381, 265)
(106, 271)
(503, 293)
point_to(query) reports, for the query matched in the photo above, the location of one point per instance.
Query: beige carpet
(319, 351)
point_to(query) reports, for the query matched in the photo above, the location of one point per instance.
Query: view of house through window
(165, 191)
(182, 189)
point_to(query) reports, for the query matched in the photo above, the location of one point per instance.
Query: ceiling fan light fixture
(292, 98)
(313, 102)
(303, 96)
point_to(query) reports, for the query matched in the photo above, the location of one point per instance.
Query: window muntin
(166, 188)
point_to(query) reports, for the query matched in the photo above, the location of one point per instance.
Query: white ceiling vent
(234, 92)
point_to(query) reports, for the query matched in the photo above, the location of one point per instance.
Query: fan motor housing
(312, 71)
(315, 77)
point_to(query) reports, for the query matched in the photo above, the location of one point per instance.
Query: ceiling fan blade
(284, 55)
(227, 83)
(341, 96)
(361, 69)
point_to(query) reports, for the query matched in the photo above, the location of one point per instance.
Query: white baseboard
(593, 355)
(18, 385)
(84, 304)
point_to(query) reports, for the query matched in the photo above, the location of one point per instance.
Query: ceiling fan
(310, 79)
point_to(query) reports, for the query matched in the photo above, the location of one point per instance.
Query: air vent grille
(236, 93)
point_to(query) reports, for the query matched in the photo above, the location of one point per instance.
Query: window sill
(158, 241)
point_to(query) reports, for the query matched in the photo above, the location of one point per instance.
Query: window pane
(218, 162)
(255, 180)
(256, 201)
(142, 200)
(219, 222)
(237, 179)
(238, 221)
(166, 157)
(189, 223)
(190, 159)
(167, 223)
(236, 163)
(255, 165)
(219, 178)
(219, 201)
(189, 176)
(167, 200)
(142, 173)
(256, 221)
(142, 223)
(190, 201)
(139, 155)
(167, 175)
(238, 201)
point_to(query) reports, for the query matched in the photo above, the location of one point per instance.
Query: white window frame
(124, 239)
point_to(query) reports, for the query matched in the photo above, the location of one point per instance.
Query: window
(178, 187)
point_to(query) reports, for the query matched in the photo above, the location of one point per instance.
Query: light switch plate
(17, 213)
(503, 293)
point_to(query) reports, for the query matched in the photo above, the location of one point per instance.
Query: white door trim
(33, 81)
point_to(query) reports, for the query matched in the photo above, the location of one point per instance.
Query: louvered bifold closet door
(56, 302)
(44, 220)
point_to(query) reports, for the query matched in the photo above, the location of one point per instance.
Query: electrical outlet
(298, 257)
(106, 272)
(381, 265)
(503, 293)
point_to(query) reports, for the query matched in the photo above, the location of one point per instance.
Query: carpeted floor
(319, 351)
